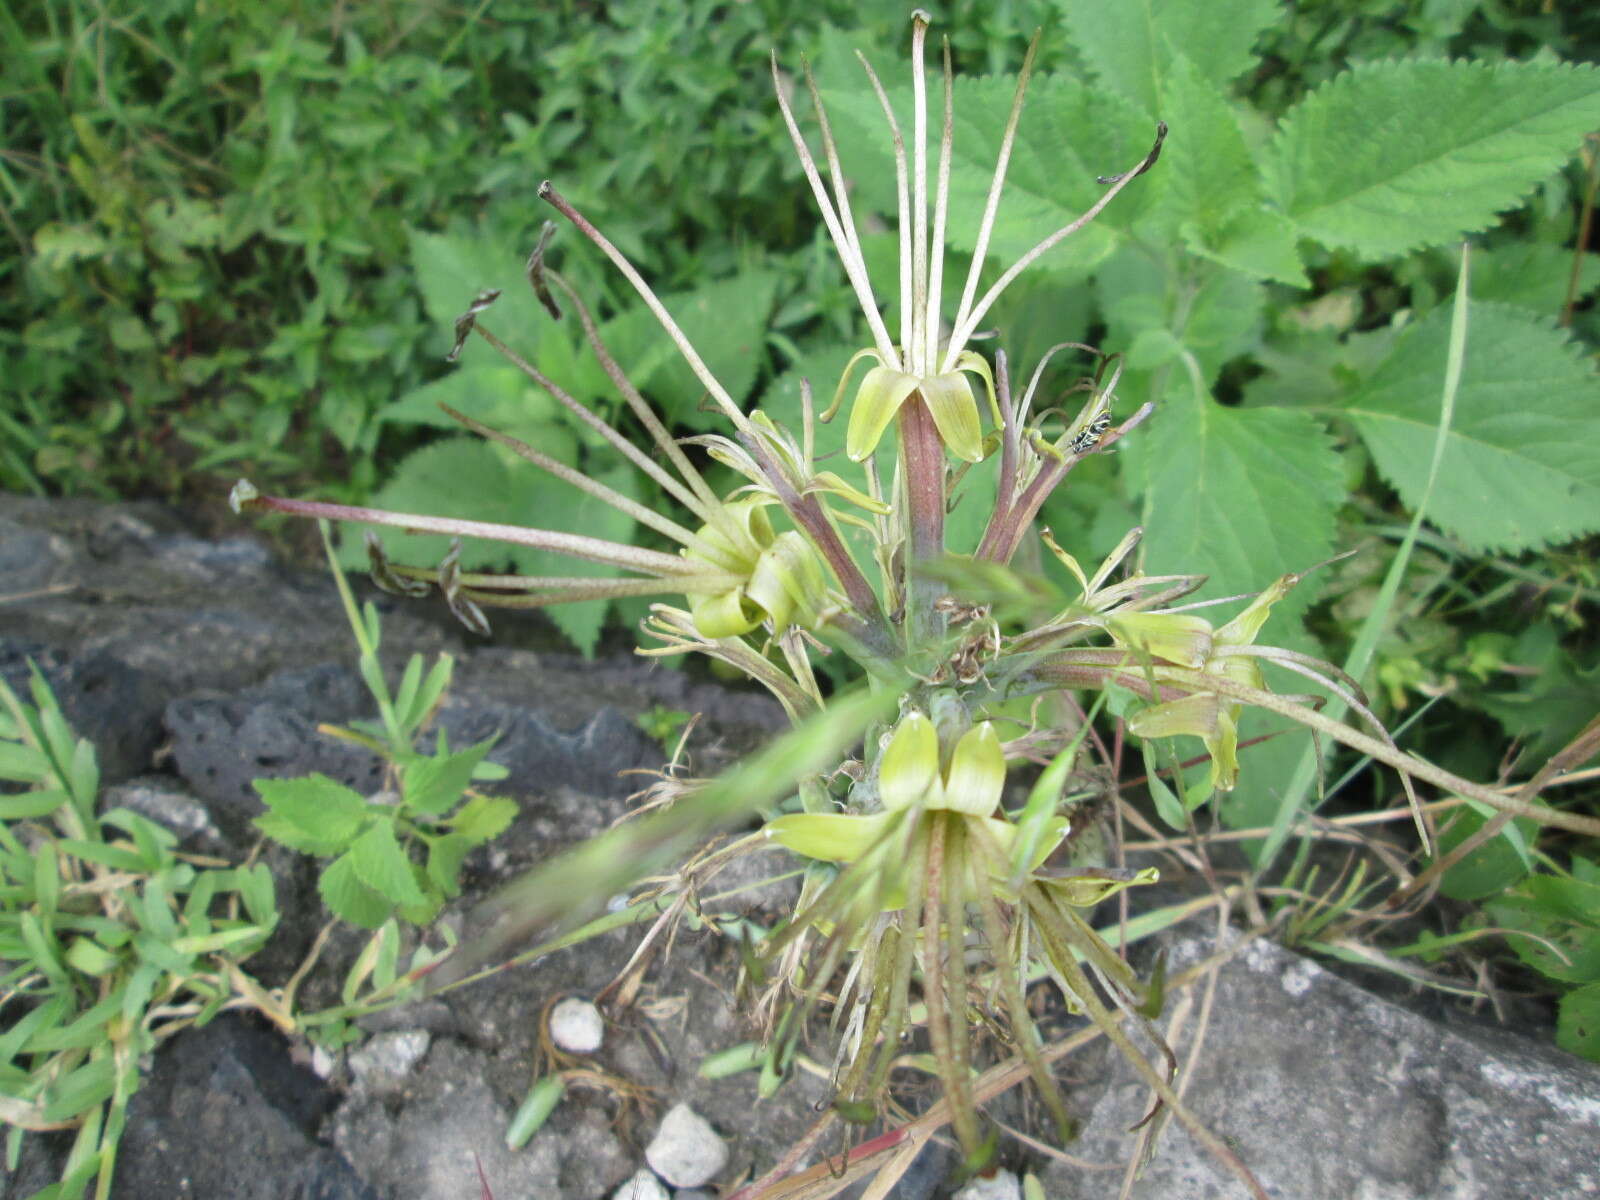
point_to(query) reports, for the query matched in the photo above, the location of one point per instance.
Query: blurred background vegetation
(235, 238)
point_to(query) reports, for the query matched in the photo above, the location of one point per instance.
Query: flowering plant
(917, 855)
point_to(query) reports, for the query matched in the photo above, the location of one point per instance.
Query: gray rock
(576, 1026)
(686, 1151)
(385, 1061)
(643, 1185)
(166, 805)
(429, 1146)
(1324, 1090)
(225, 1113)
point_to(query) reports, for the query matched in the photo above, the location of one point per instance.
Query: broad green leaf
(1207, 189)
(1129, 45)
(444, 861)
(1242, 495)
(1069, 134)
(1392, 156)
(725, 321)
(1492, 867)
(583, 621)
(382, 865)
(1163, 316)
(1574, 956)
(319, 808)
(502, 397)
(1551, 696)
(1520, 468)
(1531, 275)
(348, 898)
(452, 268)
(1578, 1022)
(484, 817)
(432, 785)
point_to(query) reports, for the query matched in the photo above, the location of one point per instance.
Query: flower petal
(955, 414)
(832, 837)
(723, 615)
(1175, 637)
(1242, 630)
(1089, 885)
(977, 773)
(908, 768)
(882, 393)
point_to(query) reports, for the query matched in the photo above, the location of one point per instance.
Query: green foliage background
(236, 239)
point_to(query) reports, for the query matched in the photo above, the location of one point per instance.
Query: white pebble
(1003, 1186)
(642, 1186)
(577, 1026)
(686, 1151)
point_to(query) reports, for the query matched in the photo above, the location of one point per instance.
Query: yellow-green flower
(1177, 644)
(911, 781)
(783, 580)
(948, 396)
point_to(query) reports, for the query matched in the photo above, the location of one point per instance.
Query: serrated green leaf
(1242, 495)
(348, 898)
(320, 810)
(484, 817)
(452, 268)
(501, 397)
(1551, 696)
(1519, 467)
(432, 785)
(1207, 186)
(1392, 156)
(1531, 275)
(1129, 45)
(444, 861)
(382, 865)
(725, 321)
(292, 836)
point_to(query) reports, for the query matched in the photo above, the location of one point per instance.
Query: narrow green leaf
(27, 806)
(405, 696)
(46, 879)
(535, 1110)
(81, 1089)
(1519, 469)
(1392, 156)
